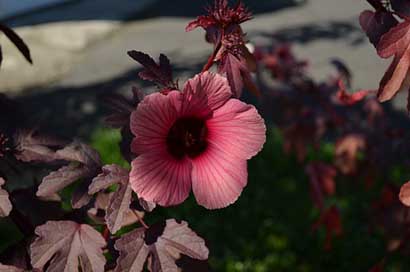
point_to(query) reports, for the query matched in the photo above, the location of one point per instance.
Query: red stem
(106, 233)
(211, 59)
(140, 220)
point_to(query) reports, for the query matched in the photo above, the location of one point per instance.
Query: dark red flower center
(187, 137)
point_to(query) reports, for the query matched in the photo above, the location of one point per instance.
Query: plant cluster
(198, 137)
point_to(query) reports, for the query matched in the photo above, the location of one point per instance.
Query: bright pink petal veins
(159, 178)
(152, 120)
(218, 178)
(204, 93)
(238, 129)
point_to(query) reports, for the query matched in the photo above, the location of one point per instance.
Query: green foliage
(106, 141)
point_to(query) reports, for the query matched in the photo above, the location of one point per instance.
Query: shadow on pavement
(78, 111)
(304, 34)
(125, 10)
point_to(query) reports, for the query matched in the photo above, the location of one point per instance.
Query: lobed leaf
(31, 146)
(80, 152)
(375, 24)
(395, 42)
(84, 164)
(111, 174)
(66, 246)
(118, 208)
(121, 108)
(161, 74)
(237, 74)
(60, 179)
(162, 244)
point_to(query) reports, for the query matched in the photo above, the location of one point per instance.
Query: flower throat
(187, 136)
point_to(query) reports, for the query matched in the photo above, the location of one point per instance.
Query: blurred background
(79, 53)
(79, 47)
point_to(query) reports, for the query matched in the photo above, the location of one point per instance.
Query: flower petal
(159, 178)
(238, 129)
(204, 93)
(151, 121)
(218, 178)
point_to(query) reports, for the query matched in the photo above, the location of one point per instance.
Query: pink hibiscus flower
(199, 138)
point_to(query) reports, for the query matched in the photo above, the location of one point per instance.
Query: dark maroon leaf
(61, 178)
(401, 7)
(165, 66)
(84, 165)
(375, 24)
(111, 174)
(32, 146)
(202, 21)
(68, 246)
(163, 244)
(125, 145)
(395, 43)
(15, 257)
(121, 108)
(118, 208)
(17, 41)
(80, 152)
(80, 196)
(97, 213)
(221, 15)
(161, 74)
(234, 69)
(377, 4)
(5, 204)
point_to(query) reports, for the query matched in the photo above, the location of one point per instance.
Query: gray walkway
(88, 58)
(85, 52)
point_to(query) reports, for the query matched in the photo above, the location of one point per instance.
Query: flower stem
(106, 233)
(211, 58)
(140, 220)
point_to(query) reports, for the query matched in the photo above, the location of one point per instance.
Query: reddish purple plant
(199, 137)
(223, 30)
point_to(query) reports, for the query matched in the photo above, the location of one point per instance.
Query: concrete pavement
(84, 52)
(77, 61)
